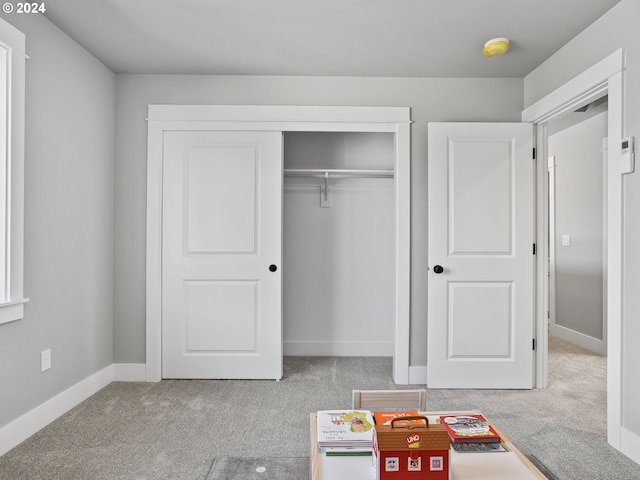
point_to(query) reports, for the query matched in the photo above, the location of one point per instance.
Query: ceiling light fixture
(496, 46)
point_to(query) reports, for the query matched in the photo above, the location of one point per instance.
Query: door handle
(438, 269)
(273, 268)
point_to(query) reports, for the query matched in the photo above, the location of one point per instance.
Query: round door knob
(273, 268)
(438, 269)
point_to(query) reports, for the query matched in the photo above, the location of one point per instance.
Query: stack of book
(471, 432)
(345, 432)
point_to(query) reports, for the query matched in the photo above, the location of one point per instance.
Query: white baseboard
(23, 427)
(303, 348)
(630, 444)
(129, 372)
(577, 338)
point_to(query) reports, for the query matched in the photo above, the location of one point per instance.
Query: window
(12, 93)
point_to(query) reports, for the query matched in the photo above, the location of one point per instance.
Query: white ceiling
(386, 38)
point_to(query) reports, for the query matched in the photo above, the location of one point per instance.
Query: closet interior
(338, 244)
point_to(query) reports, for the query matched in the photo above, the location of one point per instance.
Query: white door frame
(603, 78)
(394, 120)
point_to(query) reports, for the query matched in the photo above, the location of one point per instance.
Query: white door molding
(163, 118)
(603, 78)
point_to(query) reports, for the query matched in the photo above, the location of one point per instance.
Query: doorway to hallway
(577, 240)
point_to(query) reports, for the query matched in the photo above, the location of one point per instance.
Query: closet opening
(344, 280)
(339, 244)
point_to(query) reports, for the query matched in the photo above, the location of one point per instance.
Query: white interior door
(481, 259)
(221, 254)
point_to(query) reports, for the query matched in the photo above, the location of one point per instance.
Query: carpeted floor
(249, 468)
(189, 429)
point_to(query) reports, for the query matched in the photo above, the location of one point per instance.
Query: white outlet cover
(45, 360)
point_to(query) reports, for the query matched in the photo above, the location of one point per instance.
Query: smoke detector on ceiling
(496, 46)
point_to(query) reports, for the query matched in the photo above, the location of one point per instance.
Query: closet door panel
(221, 210)
(221, 316)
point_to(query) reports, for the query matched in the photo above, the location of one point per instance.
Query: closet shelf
(336, 173)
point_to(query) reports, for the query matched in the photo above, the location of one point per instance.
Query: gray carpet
(248, 468)
(182, 429)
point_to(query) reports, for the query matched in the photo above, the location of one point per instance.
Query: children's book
(347, 451)
(345, 428)
(471, 428)
(384, 418)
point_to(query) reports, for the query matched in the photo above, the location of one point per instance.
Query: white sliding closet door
(221, 255)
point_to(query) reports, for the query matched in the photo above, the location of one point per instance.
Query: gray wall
(616, 29)
(68, 270)
(430, 99)
(579, 213)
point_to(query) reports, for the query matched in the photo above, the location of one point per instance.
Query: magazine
(471, 428)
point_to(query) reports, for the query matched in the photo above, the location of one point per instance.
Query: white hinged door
(481, 255)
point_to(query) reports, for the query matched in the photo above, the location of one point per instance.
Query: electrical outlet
(45, 360)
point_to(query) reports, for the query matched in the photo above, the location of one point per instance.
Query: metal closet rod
(336, 173)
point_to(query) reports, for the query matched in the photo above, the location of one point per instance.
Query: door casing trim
(604, 78)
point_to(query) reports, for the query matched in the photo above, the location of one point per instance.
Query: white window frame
(12, 113)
